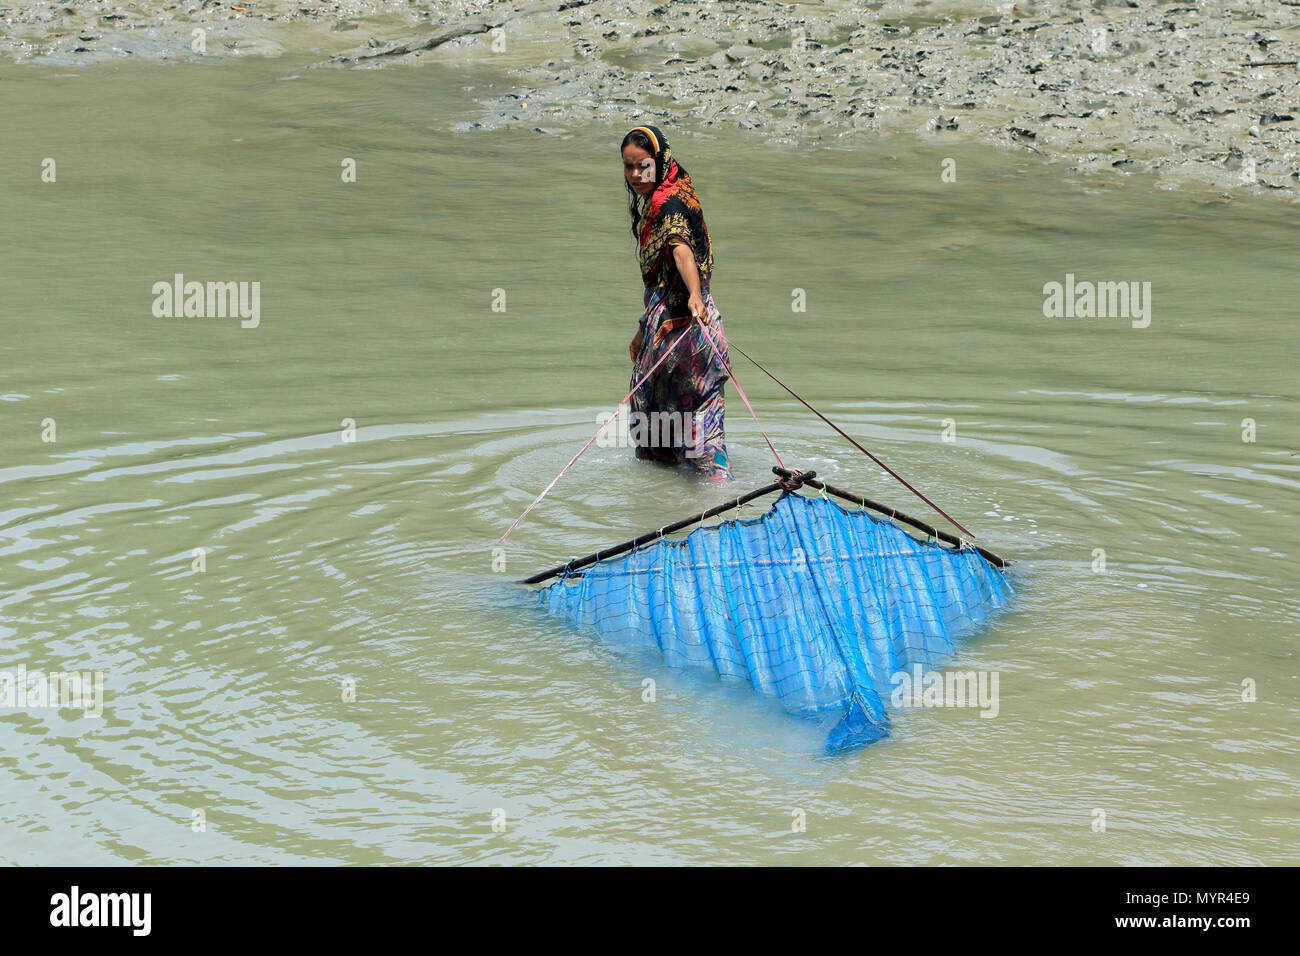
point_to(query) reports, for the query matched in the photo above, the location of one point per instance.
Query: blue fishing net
(811, 603)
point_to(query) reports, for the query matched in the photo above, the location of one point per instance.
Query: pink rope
(546, 490)
(852, 441)
(732, 375)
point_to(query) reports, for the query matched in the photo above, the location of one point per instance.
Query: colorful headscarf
(673, 210)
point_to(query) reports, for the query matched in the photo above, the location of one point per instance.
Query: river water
(339, 675)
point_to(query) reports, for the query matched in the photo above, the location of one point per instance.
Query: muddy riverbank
(1204, 95)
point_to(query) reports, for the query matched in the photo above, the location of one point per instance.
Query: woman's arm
(690, 274)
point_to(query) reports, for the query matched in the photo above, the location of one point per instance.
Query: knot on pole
(792, 480)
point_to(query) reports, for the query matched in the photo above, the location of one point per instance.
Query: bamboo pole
(787, 476)
(897, 515)
(669, 529)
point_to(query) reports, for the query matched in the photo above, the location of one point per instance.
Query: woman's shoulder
(681, 204)
(685, 193)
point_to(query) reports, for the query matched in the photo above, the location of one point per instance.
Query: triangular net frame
(811, 603)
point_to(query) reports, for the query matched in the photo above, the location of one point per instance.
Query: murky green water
(369, 560)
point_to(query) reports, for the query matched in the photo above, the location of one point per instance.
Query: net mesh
(811, 603)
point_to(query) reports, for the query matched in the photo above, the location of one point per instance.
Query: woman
(685, 391)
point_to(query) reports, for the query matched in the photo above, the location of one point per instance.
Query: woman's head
(645, 152)
(662, 200)
(640, 170)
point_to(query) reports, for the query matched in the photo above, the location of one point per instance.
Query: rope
(732, 375)
(708, 335)
(546, 490)
(906, 484)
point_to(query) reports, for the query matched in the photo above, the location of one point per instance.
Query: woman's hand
(696, 306)
(635, 348)
(690, 274)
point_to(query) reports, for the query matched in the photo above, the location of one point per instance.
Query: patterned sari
(681, 404)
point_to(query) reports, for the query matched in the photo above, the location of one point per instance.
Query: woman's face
(639, 169)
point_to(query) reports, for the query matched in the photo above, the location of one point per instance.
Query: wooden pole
(897, 515)
(669, 529)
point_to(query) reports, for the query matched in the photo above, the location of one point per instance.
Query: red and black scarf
(672, 210)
